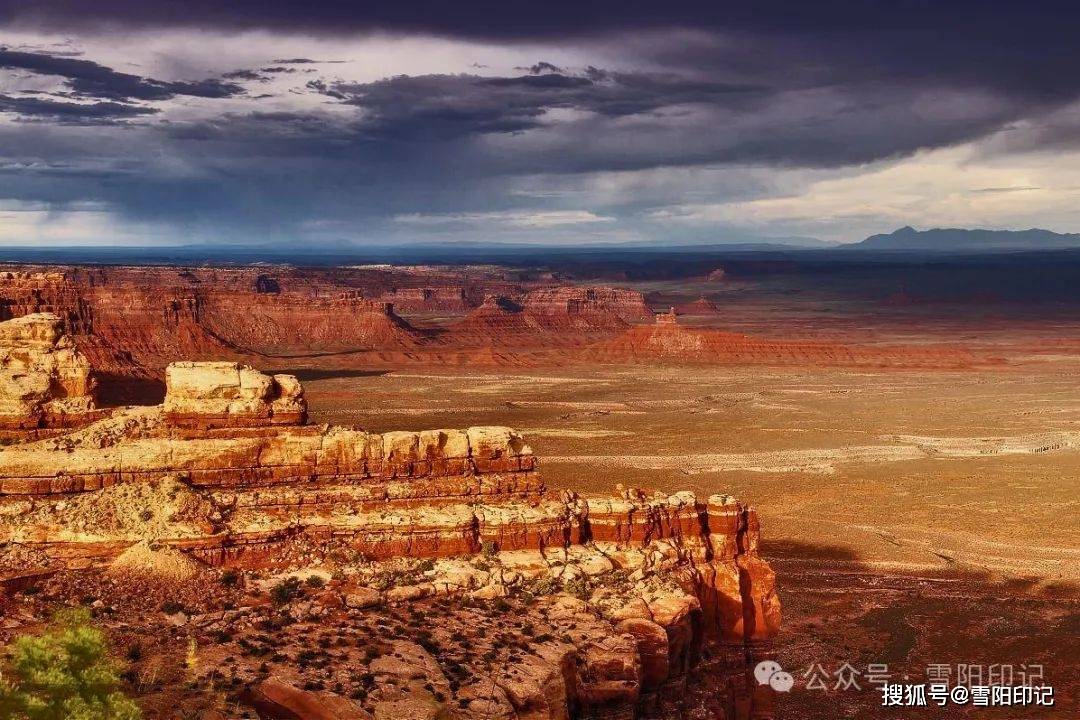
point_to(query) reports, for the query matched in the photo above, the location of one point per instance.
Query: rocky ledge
(610, 606)
(45, 382)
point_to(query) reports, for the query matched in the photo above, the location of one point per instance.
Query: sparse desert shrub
(314, 581)
(229, 578)
(171, 607)
(63, 674)
(546, 586)
(579, 587)
(383, 581)
(285, 591)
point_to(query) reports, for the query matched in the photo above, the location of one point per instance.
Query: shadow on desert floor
(310, 374)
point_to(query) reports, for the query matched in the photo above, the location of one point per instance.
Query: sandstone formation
(229, 394)
(131, 322)
(701, 306)
(629, 589)
(291, 321)
(429, 299)
(668, 339)
(559, 317)
(45, 382)
(587, 302)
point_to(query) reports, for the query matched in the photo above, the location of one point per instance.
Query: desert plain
(910, 442)
(914, 517)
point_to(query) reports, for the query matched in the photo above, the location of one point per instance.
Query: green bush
(63, 674)
(171, 607)
(580, 587)
(286, 590)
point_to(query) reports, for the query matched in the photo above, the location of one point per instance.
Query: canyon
(637, 593)
(132, 321)
(211, 460)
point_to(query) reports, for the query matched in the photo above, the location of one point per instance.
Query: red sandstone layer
(131, 322)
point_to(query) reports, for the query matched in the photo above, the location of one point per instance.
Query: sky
(300, 124)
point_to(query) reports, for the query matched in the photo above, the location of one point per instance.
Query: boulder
(279, 699)
(218, 394)
(45, 381)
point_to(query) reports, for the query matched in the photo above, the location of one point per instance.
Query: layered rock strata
(669, 340)
(45, 382)
(228, 394)
(228, 472)
(246, 476)
(587, 303)
(131, 322)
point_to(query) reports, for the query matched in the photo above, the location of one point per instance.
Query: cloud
(661, 121)
(544, 67)
(243, 75)
(449, 106)
(66, 112)
(510, 218)
(941, 188)
(89, 79)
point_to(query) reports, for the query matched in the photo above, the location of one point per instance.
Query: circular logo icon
(781, 681)
(765, 670)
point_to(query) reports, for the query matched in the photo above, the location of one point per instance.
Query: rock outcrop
(131, 322)
(45, 382)
(227, 473)
(669, 340)
(587, 303)
(228, 394)
(562, 317)
(291, 320)
(701, 306)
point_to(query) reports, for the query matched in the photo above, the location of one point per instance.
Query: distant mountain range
(960, 240)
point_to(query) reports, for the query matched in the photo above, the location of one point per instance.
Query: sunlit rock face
(227, 473)
(229, 394)
(45, 382)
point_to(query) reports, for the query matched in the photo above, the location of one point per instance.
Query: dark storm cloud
(528, 19)
(70, 112)
(795, 84)
(1020, 46)
(542, 67)
(89, 79)
(449, 106)
(244, 75)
